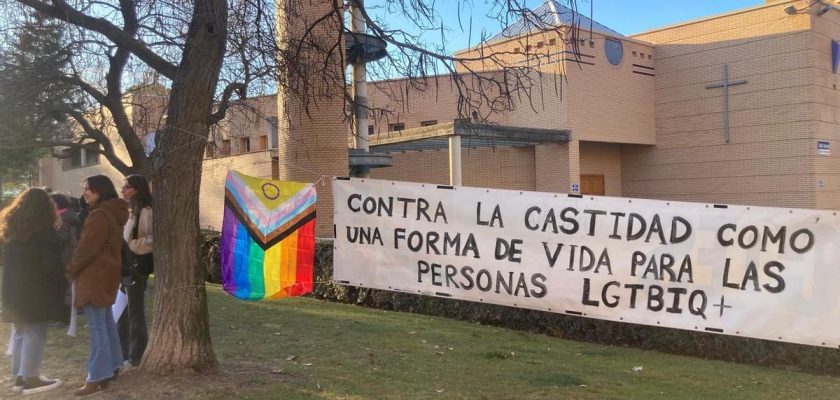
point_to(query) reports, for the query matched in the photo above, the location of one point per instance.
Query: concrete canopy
(436, 137)
(455, 135)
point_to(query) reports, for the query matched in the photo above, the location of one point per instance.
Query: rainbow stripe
(268, 238)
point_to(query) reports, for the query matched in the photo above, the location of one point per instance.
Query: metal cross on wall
(725, 85)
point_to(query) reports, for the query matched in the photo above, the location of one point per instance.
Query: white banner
(768, 273)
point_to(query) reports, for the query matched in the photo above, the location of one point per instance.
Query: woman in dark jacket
(33, 284)
(68, 235)
(94, 269)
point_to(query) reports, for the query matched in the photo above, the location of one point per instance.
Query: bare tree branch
(64, 12)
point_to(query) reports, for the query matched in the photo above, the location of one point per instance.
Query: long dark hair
(31, 212)
(102, 185)
(143, 196)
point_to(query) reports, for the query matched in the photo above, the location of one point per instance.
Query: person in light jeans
(95, 270)
(33, 284)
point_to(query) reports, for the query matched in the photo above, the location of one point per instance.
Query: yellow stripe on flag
(272, 267)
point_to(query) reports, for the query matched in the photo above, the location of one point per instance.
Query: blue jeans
(105, 351)
(28, 348)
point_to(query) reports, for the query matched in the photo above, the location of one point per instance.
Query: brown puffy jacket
(96, 264)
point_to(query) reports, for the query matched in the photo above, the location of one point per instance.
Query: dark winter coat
(33, 279)
(68, 234)
(96, 264)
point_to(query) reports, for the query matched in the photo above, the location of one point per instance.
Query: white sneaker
(39, 384)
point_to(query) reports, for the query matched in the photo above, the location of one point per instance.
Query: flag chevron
(268, 239)
(267, 246)
(264, 219)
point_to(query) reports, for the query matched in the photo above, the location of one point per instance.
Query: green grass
(303, 348)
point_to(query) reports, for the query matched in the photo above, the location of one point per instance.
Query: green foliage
(698, 344)
(32, 94)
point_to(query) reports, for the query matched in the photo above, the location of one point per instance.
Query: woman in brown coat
(95, 271)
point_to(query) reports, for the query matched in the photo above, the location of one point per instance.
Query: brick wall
(313, 131)
(774, 118)
(826, 97)
(504, 167)
(213, 174)
(603, 159)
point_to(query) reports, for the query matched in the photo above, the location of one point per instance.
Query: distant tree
(31, 96)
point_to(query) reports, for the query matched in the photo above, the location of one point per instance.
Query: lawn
(309, 349)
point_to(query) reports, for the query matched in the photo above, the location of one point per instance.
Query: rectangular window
(264, 142)
(428, 123)
(540, 45)
(225, 151)
(396, 127)
(552, 42)
(370, 130)
(516, 49)
(245, 145)
(272, 132)
(76, 157)
(210, 150)
(91, 154)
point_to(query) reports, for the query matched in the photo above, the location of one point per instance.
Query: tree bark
(180, 331)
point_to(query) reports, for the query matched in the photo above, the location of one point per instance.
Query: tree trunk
(180, 331)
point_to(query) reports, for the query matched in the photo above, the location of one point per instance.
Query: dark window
(264, 142)
(225, 147)
(552, 42)
(428, 123)
(91, 154)
(210, 150)
(76, 157)
(272, 132)
(370, 129)
(396, 127)
(244, 145)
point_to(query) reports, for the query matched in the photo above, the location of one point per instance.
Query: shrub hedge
(699, 344)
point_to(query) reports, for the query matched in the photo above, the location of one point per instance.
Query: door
(592, 185)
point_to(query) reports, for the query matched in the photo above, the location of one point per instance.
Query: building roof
(548, 16)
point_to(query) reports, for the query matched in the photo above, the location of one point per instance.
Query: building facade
(651, 121)
(737, 108)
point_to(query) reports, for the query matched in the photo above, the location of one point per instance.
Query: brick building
(649, 121)
(645, 116)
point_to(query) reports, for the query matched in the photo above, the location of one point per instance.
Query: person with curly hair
(33, 284)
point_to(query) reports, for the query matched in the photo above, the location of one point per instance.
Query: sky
(624, 16)
(634, 16)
